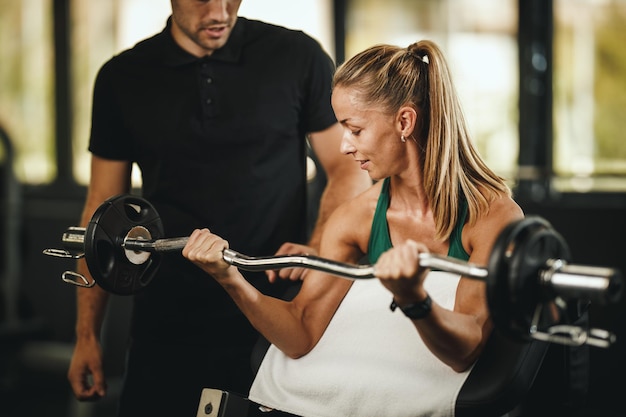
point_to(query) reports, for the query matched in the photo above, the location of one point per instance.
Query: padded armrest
(501, 378)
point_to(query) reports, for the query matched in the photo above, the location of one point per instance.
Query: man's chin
(211, 45)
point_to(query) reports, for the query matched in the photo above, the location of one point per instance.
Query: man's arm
(345, 180)
(108, 178)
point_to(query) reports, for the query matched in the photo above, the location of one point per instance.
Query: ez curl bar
(529, 280)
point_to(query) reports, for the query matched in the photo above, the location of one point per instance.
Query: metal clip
(77, 279)
(576, 336)
(70, 277)
(62, 253)
(570, 335)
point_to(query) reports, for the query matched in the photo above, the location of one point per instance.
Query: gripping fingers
(205, 249)
(401, 261)
(292, 274)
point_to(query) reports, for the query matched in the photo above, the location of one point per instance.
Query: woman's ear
(407, 119)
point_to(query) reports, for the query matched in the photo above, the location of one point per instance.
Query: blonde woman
(337, 349)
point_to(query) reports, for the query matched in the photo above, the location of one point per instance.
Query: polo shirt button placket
(207, 90)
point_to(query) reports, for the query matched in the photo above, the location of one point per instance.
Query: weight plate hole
(135, 212)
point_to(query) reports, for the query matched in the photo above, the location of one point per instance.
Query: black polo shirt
(221, 144)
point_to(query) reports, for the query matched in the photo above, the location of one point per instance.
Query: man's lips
(215, 31)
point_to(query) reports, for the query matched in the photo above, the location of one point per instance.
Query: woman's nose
(346, 144)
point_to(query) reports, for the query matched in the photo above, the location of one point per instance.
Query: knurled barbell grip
(170, 245)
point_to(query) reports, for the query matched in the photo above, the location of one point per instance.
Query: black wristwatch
(415, 311)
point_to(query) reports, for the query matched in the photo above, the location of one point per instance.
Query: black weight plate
(498, 270)
(531, 257)
(104, 235)
(513, 283)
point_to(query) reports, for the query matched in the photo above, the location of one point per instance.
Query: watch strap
(415, 311)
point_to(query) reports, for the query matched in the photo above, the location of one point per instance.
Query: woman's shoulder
(353, 218)
(502, 211)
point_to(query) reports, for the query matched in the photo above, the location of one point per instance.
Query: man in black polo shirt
(216, 111)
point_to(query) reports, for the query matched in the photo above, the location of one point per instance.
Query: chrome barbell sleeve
(598, 284)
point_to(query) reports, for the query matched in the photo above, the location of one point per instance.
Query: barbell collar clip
(77, 279)
(62, 253)
(569, 335)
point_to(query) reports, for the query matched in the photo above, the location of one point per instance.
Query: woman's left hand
(400, 272)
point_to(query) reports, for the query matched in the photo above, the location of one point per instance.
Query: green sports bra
(379, 236)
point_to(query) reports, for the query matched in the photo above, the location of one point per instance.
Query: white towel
(369, 362)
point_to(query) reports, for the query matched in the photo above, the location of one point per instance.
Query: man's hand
(292, 274)
(85, 373)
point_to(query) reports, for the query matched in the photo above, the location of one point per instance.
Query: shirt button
(209, 101)
(209, 80)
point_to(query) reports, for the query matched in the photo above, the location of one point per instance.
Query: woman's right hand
(206, 250)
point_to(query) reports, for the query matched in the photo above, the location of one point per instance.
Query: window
(27, 87)
(589, 101)
(100, 30)
(479, 38)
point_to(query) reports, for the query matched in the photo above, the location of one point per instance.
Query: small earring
(402, 138)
